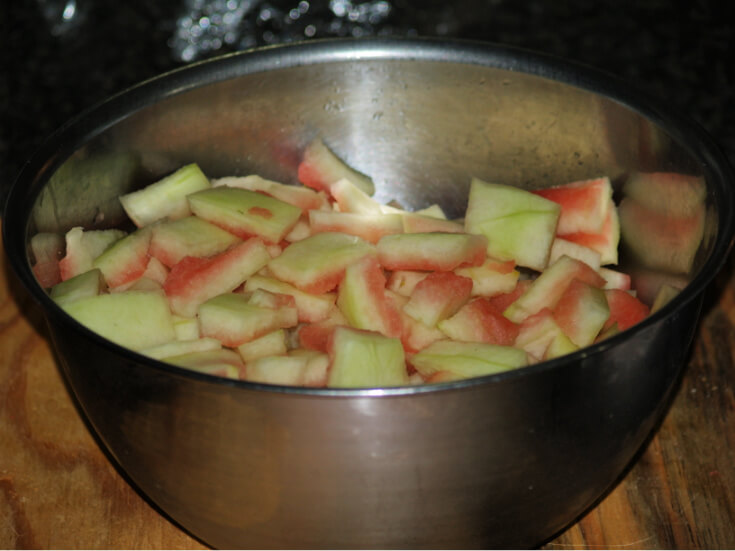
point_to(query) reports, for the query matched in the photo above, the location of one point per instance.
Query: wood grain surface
(58, 489)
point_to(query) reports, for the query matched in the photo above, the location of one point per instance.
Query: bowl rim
(89, 123)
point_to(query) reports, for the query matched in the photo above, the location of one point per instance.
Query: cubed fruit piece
(492, 277)
(126, 259)
(417, 336)
(141, 284)
(625, 309)
(222, 362)
(83, 247)
(155, 274)
(233, 319)
(584, 204)
(561, 247)
(370, 227)
(438, 297)
(245, 213)
(299, 196)
(268, 299)
(317, 367)
(519, 225)
(614, 279)
(270, 344)
(311, 307)
(431, 251)
(502, 301)
(277, 370)
(165, 198)
(349, 197)
(479, 321)
(549, 286)
(47, 249)
(178, 347)
(605, 242)
(189, 236)
(87, 284)
(365, 359)
(315, 336)
(362, 300)
(661, 240)
(320, 168)
(317, 264)
(672, 193)
(432, 211)
(404, 282)
(132, 319)
(195, 280)
(581, 312)
(542, 338)
(418, 223)
(301, 230)
(186, 328)
(465, 359)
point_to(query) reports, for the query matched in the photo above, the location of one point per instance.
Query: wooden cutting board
(58, 490)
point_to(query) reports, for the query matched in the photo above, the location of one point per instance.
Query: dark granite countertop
(52, 70)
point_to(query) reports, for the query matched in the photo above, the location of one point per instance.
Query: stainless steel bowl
(506, 460)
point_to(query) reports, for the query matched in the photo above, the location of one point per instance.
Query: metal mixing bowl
(506, 460)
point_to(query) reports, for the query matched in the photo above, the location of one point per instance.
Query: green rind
(236, 210)
(134, 319)
(518, 224)
(87, 284)
(320, 255)
(165, 198)
(467, 359)
(361, 359)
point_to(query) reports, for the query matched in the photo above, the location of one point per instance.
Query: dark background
(52, 68)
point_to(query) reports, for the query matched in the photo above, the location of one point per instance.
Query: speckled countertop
(50, 70)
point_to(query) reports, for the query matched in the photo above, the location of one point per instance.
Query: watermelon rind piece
(189, 236)
(195, 280)
(320, 167)
(518, 224)
(299, 196)
(581, 312)
(548, 287)
(436, 251)
(584, 204)
(126, 259)
(165, 198)
(542, 338)
(82, 247)
(245, 213)
(222, 362)
(370, 227)
(349, 197)
(234, 320)
(361, 298)
(316, 264)
(133, 319)
(270, 344)
(491, 278)
(87, 284)
(364, 359)
(179, 347)
(277, 370)
(310, 307)
(467, 359)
